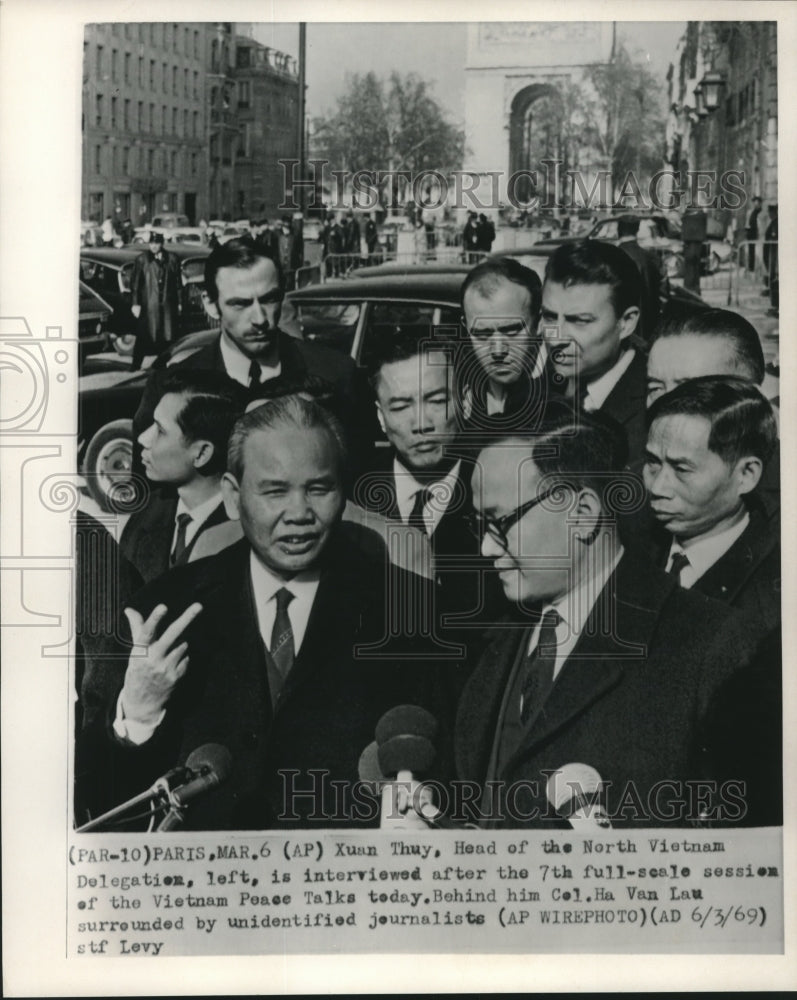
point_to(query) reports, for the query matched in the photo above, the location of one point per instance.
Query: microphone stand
(160, 790)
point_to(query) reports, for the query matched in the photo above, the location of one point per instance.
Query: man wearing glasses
(603, 661)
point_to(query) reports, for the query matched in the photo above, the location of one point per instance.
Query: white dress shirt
(704, 550)
(599, 390)
(434, 509)
(575, 606)
(265, 585)
(198, 515)
(238, 364)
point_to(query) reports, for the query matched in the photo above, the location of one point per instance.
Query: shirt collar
(598, 391)
(704, 550)
(407, 486)
(266, 584)
(202, 511)
(575, 606)
(237, 364)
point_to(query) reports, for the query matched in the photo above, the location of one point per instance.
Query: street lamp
(700, 101)
(711, 86)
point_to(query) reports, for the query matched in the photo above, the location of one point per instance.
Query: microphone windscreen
(573, 781)
(406, 753)
(406, 720)
(211, 758)
(368, 765)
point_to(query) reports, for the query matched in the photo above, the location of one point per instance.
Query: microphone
(208, 766)
(403, 747)
(160, 790)
(574, 792)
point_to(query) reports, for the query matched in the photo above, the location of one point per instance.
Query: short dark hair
(211, 405)
(728, 325)
(286, 411)
(582, 450)
(627, 225)
(392, 342)
(593, 262)
(486, 276)
(241, 252)
(742, 421)
(157, 238)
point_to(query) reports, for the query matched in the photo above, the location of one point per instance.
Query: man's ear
(231, 494)
(748, 473)
(203, 452)
(381, 418)
(211, 308)
(628, 322)
(587, 514)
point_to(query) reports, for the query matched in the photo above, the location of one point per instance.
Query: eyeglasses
(497, 527)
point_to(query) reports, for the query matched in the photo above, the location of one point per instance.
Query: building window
(243, 140)
(244, 94)
(214, 97)
(186, 83)
(141, 71)
(99, 62)
(174, 121)
(165, 119)
(187, 41)
(243, 57)
(128, 58)
(194, 160)
(173, 165)
(174, 80)
(113, 112)
(100, 111)
(140, 117)
(196, 125)
(196, 84)
(98, 159)
(196, 45)
(152, 125)
(115, 65)
(185, 123)
(152, 74)
(175, 37)
(126, 114)
(165, 78)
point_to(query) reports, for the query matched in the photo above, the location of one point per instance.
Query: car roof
(408, 283)
(112, 256)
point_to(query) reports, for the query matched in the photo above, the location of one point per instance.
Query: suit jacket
(346, 675)
(148, 535)
(159, 309)
(633, 701)
(626, 404)
(350, 398)
(747, 576)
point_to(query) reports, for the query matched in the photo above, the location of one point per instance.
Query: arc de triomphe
(509, 66)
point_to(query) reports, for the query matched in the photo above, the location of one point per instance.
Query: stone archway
(532, 132)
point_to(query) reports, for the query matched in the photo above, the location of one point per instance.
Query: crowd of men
(568, 554)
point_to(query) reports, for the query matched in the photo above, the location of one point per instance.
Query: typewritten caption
(214, 894)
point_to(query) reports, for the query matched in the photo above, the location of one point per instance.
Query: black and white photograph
(392, 497)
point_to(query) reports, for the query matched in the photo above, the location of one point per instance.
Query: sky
(434, 50)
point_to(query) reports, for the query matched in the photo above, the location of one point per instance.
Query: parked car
(90, 234)
(339, 314)
(658, 232)
(169, 220)
(94, 314)
(107, 270)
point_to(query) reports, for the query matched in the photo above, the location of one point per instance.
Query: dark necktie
(282, 651)
(183, 520)
(680, 560)
(416, 518)
(539, 669)
(255, 375)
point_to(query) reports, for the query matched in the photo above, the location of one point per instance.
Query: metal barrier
(753, 270)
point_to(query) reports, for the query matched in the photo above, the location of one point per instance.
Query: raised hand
(156, 664)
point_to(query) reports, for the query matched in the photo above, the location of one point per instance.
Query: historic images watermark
(525, 190)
